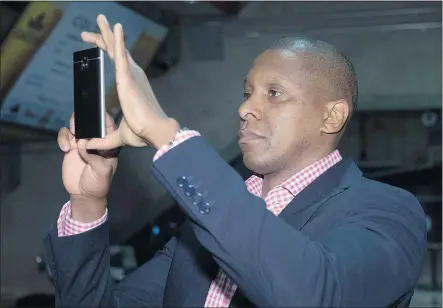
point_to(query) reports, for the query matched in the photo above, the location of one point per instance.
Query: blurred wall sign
(24, 39)
(43, 83)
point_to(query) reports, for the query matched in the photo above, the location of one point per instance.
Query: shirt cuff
(66, 226)
(181, 136)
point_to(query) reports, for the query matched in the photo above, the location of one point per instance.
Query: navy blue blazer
(345, 240)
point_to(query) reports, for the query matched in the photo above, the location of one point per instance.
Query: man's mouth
(247, 135)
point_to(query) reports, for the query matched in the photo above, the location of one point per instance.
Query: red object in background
(229, 7)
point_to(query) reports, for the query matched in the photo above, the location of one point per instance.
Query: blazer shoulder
(387, 195)
(387, 205)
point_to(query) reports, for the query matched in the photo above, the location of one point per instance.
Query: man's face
(282, 114)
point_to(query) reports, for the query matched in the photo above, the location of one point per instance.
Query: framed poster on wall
(36, 71)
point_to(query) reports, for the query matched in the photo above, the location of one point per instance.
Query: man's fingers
(105, 40)
(64, 139)
(107, 35)
(72, 124)
(94, 38)
(110, 142)
(100, 165)
(121, 59)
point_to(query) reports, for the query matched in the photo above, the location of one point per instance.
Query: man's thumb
(100, 165)
(110, 142)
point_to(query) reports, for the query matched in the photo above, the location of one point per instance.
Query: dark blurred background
(196, 54)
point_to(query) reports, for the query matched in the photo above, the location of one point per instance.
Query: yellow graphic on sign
(27, 35)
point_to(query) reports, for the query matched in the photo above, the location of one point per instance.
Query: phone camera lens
(85, 64)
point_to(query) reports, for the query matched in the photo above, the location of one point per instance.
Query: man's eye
(246, 96)
(274, 93)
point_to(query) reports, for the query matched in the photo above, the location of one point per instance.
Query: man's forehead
(285, 59)
(273, 57)
(276, 65)
(269, 78)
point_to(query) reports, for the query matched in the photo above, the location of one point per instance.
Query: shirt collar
(296, 183)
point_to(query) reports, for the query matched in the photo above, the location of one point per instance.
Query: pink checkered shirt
(222, 288)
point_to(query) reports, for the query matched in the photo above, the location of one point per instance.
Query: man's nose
(250, 108)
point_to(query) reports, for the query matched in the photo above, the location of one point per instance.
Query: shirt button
(197, 199)
(204, 208)
(182, 181)
(189, 191)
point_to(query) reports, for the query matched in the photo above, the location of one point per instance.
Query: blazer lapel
(210, 269)
(335, 180)
(191, 273)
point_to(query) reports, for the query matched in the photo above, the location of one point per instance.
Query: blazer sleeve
(368, 260)
(80, 265)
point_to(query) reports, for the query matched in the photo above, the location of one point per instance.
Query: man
(308, 230)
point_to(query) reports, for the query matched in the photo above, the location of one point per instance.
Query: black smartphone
(89, 94)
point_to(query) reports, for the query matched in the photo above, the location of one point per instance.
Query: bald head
(332, 72)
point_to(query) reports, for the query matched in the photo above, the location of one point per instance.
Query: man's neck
(276, 178)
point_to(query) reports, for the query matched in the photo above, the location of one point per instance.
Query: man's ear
(335, 116)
